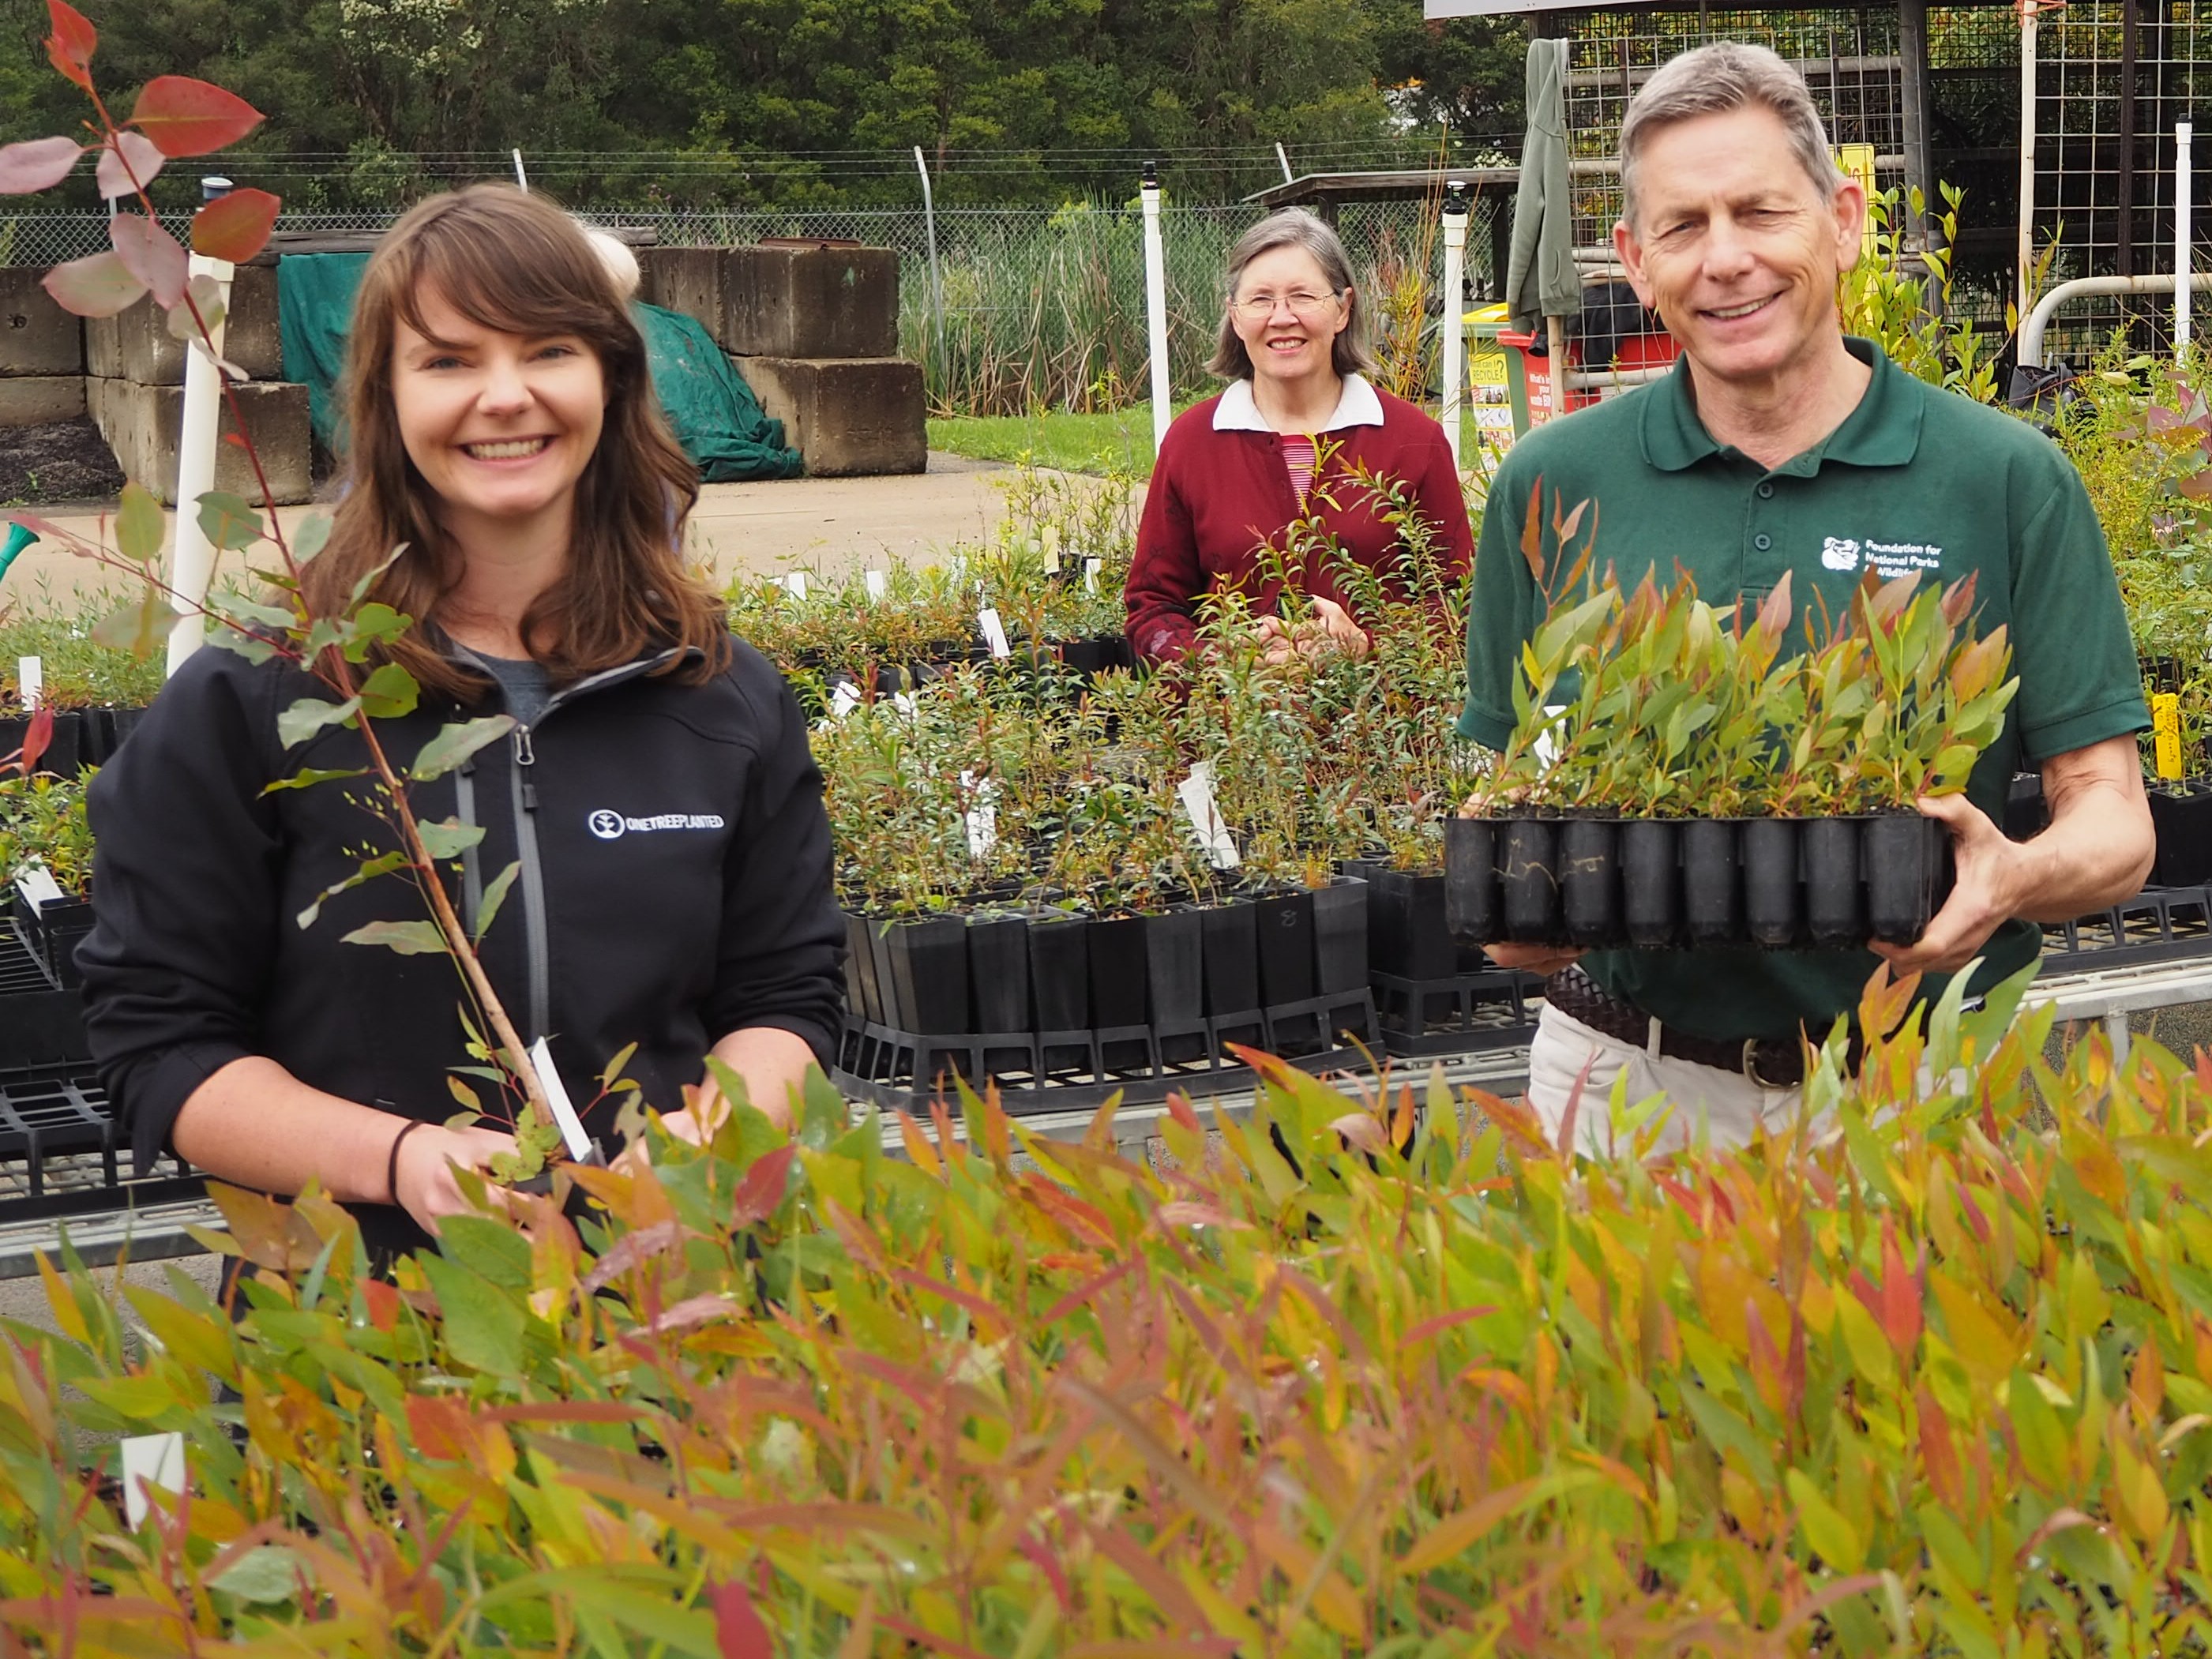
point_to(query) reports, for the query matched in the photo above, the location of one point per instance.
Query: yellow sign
(2166, 733)
(1855, 162)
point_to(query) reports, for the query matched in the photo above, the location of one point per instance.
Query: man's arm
(2097, 852)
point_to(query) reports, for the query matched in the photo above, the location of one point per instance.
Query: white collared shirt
(1356, 405)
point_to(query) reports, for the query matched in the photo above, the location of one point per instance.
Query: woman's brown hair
(513, 261)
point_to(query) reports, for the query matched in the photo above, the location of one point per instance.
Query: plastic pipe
(191, 558)
(1454, 326)
(2182, 262)
(2083, 287)
(1156, 303)
(2027, 249)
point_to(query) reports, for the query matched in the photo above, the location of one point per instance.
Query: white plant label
(1090, 570)
(1198, 804)
(39, 885)
(1052, 550)
(995, 631)
(31, 680)
(844, 698)
(879, 583)
(556, 1097)
(982, 815)
(158, 1459)
(795, 585)
(904, 702)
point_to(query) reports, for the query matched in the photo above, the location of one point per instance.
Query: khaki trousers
(1729, 1105)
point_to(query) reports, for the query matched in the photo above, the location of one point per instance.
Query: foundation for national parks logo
(1890, 559)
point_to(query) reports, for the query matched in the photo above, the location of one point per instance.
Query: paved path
(834, 524)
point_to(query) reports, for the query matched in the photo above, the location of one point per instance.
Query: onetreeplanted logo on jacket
(612, 826)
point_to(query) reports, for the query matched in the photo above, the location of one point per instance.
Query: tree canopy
(750, 103)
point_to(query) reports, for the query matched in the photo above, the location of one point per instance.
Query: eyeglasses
(1258, 307)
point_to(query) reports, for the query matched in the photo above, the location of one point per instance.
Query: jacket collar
(1356, 405)
(1883, 431)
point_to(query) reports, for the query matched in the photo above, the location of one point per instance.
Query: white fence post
(1454, 328)
(1156, 303)
(191, 559)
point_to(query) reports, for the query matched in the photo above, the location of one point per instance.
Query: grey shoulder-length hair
(1294, 227)
(1713, 80)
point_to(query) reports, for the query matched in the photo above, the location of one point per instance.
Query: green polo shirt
(1916, 478)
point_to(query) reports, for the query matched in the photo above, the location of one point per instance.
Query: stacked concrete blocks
(136, 393)
(41, 354)
(814, 331)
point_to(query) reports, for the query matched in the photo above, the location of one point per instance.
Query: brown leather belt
(1770, 1062)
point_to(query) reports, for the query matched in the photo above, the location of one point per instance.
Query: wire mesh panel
(2112, 77)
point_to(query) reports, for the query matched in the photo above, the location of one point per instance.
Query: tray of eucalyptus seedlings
(1673, 780)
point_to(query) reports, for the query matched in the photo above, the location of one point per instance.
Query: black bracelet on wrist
(391, 1162)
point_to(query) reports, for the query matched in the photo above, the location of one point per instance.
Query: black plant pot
(2026, 814)
(1340, 914)
(998, 972)
(1406, 931)
(1908, 874)
(1835, 889)
(929, 967)
(1232, 958)
(1590, 880)
(1712, 881)
(1475, 911)
(1118, 971)
(1060, 972)
(63, 756)
(1175, 981)
(1651, 882)
(1528, 876)
(879, 956)
(861, 985)
(1774, 893)
(2181, 813)
(1285, 925)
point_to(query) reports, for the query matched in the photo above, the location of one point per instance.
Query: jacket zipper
(533, 884)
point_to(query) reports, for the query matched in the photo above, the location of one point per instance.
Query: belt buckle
(1751, 1066)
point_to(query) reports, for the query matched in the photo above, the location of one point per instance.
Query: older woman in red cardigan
(1299, 417)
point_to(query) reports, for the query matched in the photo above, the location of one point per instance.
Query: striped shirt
(1298, 455)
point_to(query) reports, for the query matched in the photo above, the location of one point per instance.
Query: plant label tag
(556, 1097)
(1090, 570)
(878, 581)
(1546, 747)
(995, 631)
(1198, 804)
(38, 884)
(982, 816)
(904, 702)
(2166, 731)
(844, 698)
(795, 585)
(1051, 550)
(31, 680)
(151, 1460)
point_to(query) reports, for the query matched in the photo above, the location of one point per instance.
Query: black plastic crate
(2159, 924)
(61, 1153)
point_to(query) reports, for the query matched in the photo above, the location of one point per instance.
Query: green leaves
(450, 839)
(406, 938)
(136, 625)
(229, 521)
(455, 744)
(482, 1324)
(309, 715)
(140, 524)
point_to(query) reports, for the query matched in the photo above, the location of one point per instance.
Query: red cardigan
(1216, 497)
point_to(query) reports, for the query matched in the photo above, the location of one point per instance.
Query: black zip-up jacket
(674, 887)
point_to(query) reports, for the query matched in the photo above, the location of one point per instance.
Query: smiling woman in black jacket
(657, 798)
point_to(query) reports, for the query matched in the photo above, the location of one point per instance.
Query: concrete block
(850, 417)
(29, 400)
(141, 424)
(685, 279)
(811, 301)
(137, 345)
(37, 337)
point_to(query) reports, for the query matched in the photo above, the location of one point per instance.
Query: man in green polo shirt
(1779, 447)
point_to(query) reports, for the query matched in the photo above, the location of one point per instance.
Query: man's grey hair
(1294, 227)
(1713, 80)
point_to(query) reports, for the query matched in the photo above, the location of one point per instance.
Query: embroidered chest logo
(613, 826)
(1888, 559)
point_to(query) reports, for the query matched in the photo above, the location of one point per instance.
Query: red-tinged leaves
(1532, 532)
(1900, 1296)
(761, 1190)
(1179, 1109)
(36, 164)
(98, 285)
(1184, 1213)
(630, 1249)
(1958, 599)
(150, 254)
(128, 163)
(72, 42)
(1042, 1558)
(36, 739)
(186, 117)
(2059, 1519)
(1939, 1454)
(237, 226)
(693, 1311)
(1775, 611)
(738, 1631)
(383, 1304)
(1362, 1132)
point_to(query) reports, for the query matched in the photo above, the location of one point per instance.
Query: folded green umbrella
(1539, 274)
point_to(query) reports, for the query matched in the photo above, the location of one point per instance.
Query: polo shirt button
(1765, 490)
(1762, 541)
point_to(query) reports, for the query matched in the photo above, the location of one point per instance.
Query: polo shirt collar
(1356, 405)
(1884, 430)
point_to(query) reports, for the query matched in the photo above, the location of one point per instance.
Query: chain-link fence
(1041, 309)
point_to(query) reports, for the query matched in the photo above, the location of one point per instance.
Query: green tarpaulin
(713, 412)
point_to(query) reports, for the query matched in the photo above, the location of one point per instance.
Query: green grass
(1067, 443)
(1097, 444)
